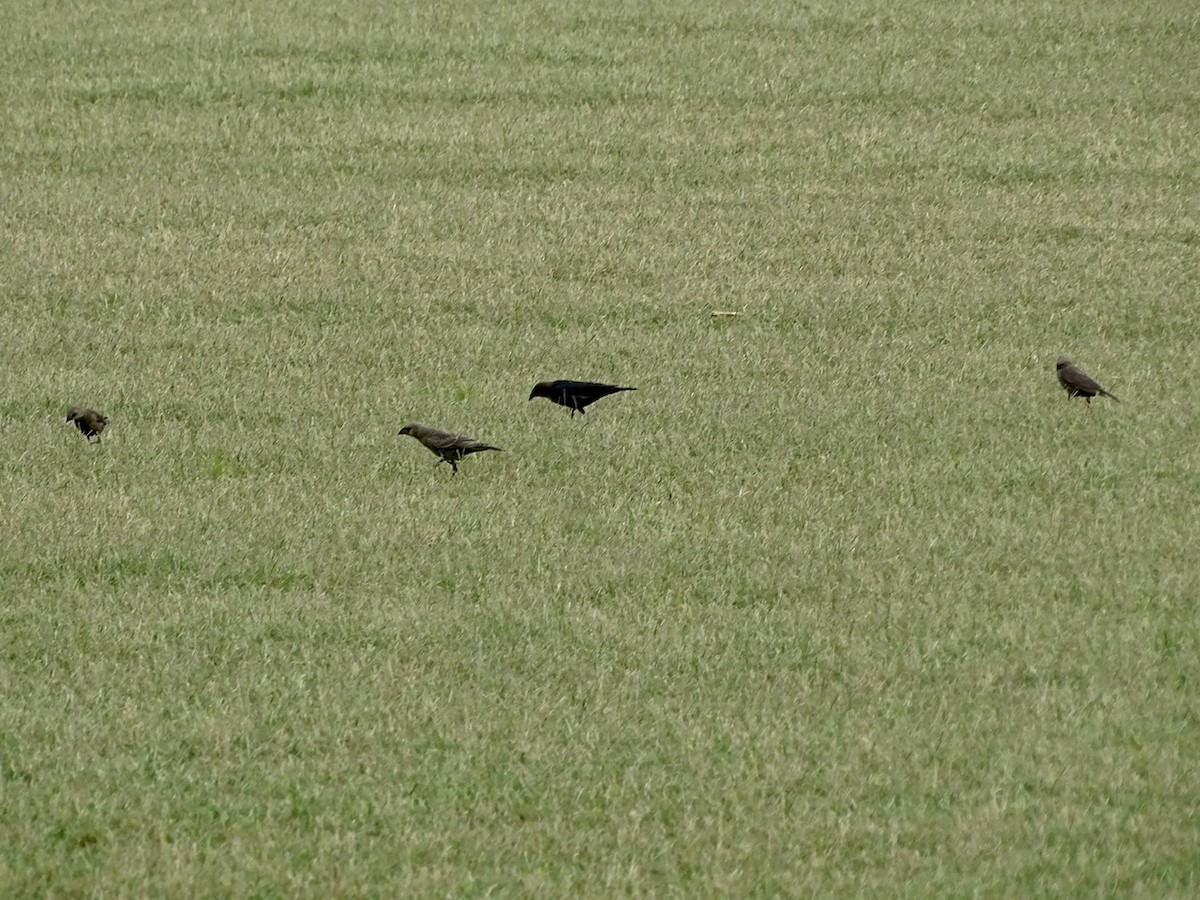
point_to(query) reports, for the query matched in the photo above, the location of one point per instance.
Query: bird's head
(407, 429)
(541, 389)
(1062, 363)
(73, 413)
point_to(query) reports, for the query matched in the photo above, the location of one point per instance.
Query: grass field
(847, 599)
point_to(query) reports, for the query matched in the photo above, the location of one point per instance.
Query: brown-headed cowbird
(574, 395)
(450, 447)
(1078, 383)
(90, 422)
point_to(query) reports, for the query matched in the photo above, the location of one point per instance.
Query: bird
(445, 444)
(1078, 383)
(90, 422)
(574, 395)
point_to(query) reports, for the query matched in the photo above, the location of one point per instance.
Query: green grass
(846, 599)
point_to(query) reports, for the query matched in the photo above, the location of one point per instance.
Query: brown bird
(1078, 383)
(90, 422)
(574, 395)
(450, 447)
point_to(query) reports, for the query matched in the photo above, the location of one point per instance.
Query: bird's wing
(472, 446)
(566, 384)
(444, 440)
(448, 442)
(1079, 379)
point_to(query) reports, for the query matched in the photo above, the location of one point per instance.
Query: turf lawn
(848, 598)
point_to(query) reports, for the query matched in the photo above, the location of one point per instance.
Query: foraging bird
(90, 422)
(1078, 383)
(450, 447)
(574, 395)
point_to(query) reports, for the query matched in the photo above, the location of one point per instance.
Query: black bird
(449, 446)
(1078, 383)
(90, 422)
(574, 395)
